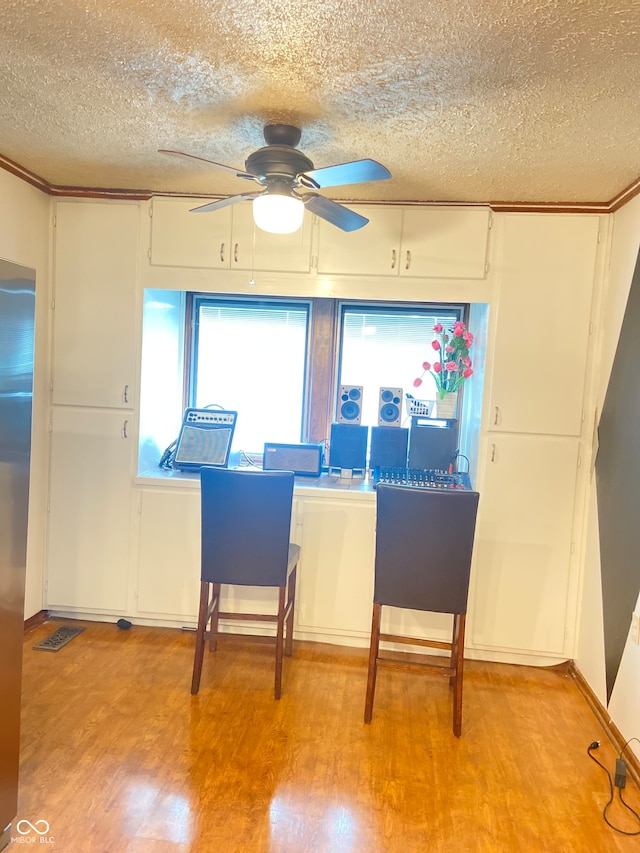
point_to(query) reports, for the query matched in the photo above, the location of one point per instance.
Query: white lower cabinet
(89, 510)
(169, 553)
(168, 582)
(335, 574)
(522, 552)
(335, 592)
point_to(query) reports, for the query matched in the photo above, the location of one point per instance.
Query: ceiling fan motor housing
(277, 160)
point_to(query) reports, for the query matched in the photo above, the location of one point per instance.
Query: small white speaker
(390, 407)
(349, 409)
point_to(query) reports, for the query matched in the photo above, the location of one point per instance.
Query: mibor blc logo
(36, 832)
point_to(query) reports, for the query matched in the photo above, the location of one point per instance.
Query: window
(385, 345)
(250, 356)
(279, 362)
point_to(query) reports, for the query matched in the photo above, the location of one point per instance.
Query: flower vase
(446, 406)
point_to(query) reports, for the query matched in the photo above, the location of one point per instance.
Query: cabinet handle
(124, 429)
(235, 253)
(493, 453)
(408, 264)
(393, 259)
(125, 394)
(495, 417)
(221, 252)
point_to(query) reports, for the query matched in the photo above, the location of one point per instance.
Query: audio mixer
(422, 478)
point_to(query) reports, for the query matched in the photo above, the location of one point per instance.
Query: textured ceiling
(463, 100)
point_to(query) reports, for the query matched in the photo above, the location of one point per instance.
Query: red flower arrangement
(453, 364)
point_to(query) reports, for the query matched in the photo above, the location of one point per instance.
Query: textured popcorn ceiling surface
(463, 100)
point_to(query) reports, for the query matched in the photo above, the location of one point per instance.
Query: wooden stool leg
(288, 649)
(200, 632)
(373, 662)
(454, 646)
(215, 611)
(459, 667)
(280, 641)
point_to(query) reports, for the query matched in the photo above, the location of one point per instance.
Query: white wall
(624, 707)
(24, 239)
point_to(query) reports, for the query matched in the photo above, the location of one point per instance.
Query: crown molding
(57, 190)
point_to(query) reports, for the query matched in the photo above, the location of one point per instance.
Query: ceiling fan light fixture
(278, 213)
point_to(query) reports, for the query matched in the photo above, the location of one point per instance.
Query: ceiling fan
(289, 181)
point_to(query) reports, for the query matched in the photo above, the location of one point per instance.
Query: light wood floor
(118, 756)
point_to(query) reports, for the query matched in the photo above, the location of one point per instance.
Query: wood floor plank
(118, 756)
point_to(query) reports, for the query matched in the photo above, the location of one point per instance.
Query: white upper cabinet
(223, 239)
(183, 239)
(271, 252)
(96, 254)
(444, 242)
(423, 242)
(372, 250)
(546, 267)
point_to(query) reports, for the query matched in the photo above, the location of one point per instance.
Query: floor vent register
(60, 637)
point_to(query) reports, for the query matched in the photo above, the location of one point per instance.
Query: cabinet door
(89, 511)
(372, 250)
(169, 558)
(169, 562)
(335, 586)
(522, 547)
(547, 271)
(180, 238)
(254, 248)
(95, 324)
(444, 242)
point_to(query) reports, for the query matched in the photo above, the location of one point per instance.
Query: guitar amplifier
(205, 439)
(305, 459)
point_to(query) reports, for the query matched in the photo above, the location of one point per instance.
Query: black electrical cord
(462, 456)
(627, 744)
(166, 460)
(595, 745)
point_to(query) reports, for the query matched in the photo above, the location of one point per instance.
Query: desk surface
(355, 487)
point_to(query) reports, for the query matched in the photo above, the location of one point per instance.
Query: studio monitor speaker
(390, 407)
(388, 447)
(348, 447)
(349, 404)
(432, 447)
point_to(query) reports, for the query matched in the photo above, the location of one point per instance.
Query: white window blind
(386, 347)
(251, 357)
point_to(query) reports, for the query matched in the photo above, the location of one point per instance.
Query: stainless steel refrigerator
(17, 321)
